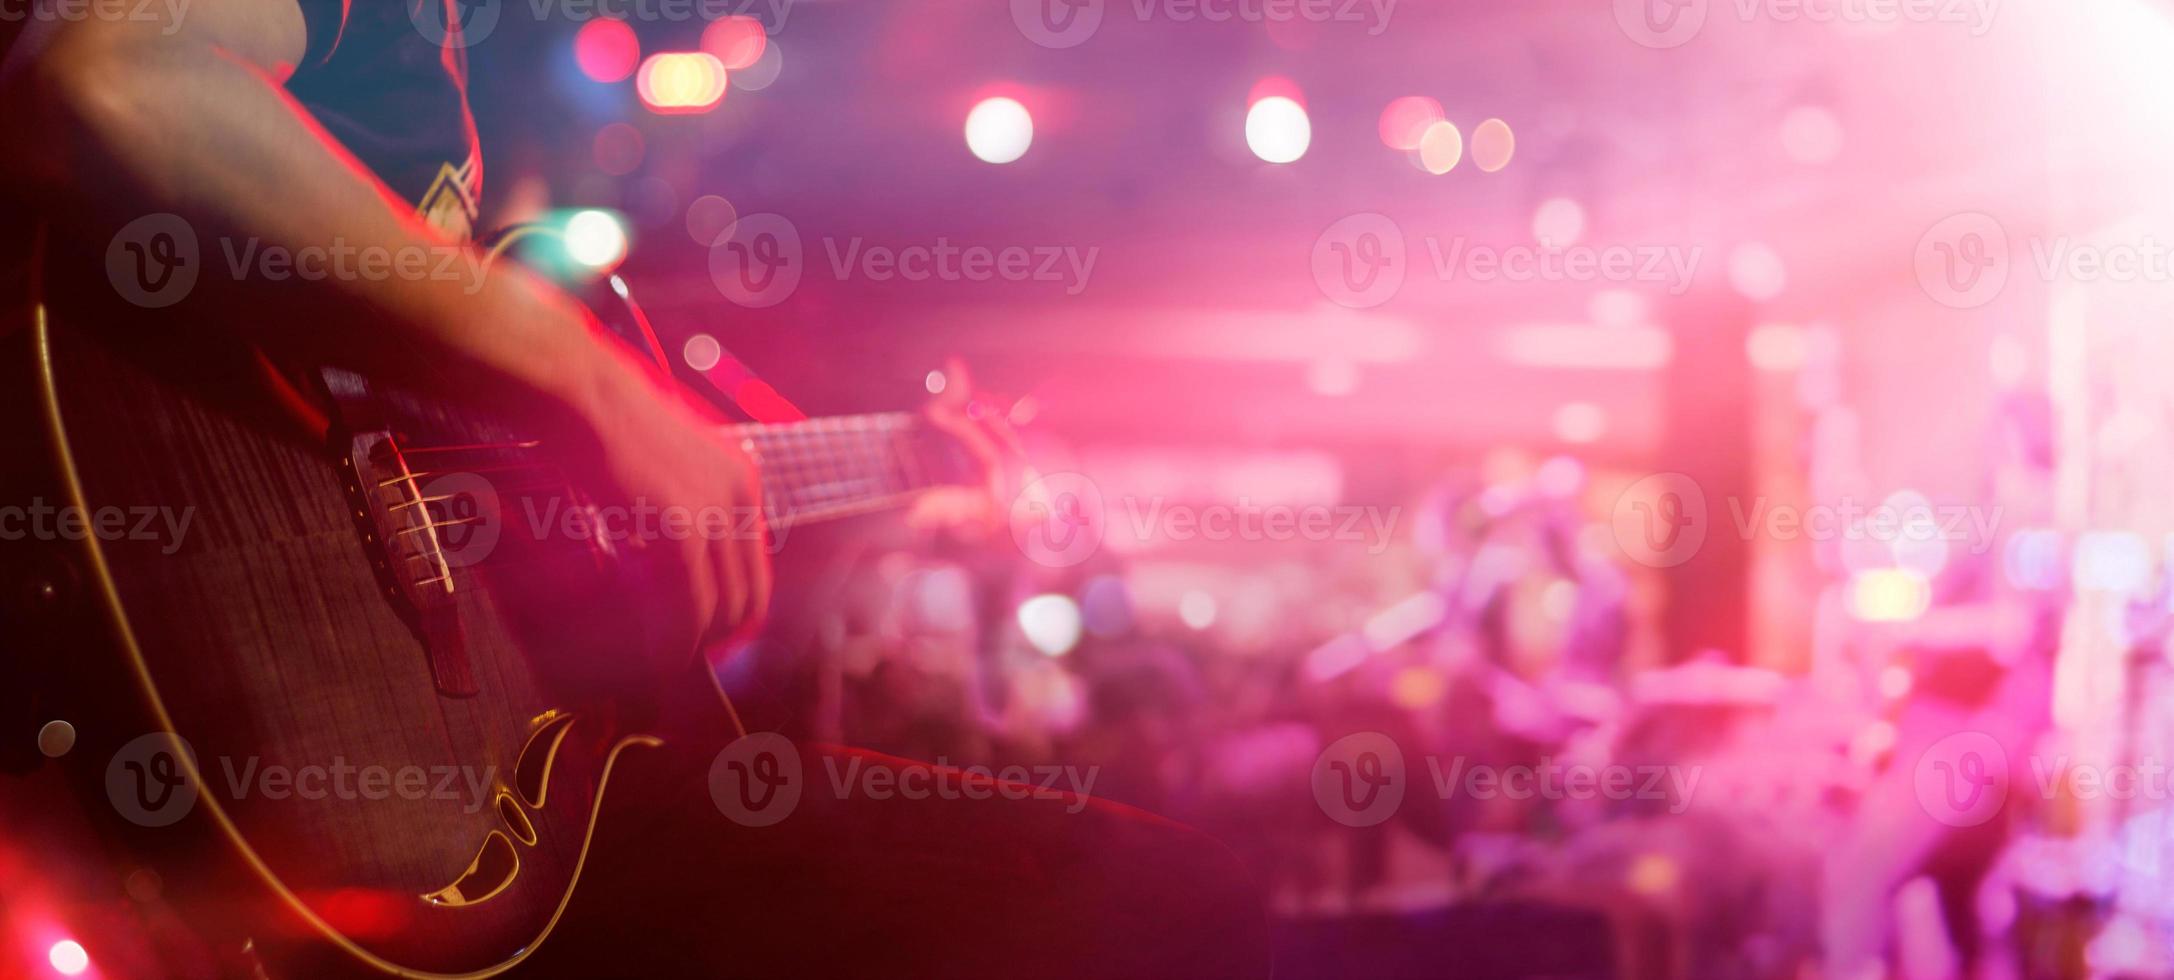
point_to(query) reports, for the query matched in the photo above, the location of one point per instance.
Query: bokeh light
(1756, 271)
(1889, 595)
(1405, 121)
(736, 41)
(710, 219)
(619, 149)
(595, 239)
(68, 957)
(764, 72)
(681, 82)
(702, 352)
(1558, 223)
(1811, 135)
(1493, 145)
(1277, 129)
(1441, 147)
(999, 130)
(1051, 623)
(606, 50)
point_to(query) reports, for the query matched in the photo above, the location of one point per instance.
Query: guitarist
(345, 127)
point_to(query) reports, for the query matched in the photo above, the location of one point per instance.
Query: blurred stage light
(1493, 145)
(736, 41)
(1776, 347)
(677, 82)
(1558, 223)
(1332, 376)
(2009, 361)
(607, 50)
(1757, 271)
(68, 957)
(619, 149)
(1051, 623)
(935, 382)
(1580, 422)
(999, 130)
(1418, 688)
(1811, 135)
(1441, 147)
(1411, 617)
(595, 239)
(702, 352)
(710, 219)
(765, 71)
(1580, 347)
(1277, 129)
(1197, 609)
(1617, 308)
(2112, 561)
(2033, 559)
(1895, 682)
(1405, 121)
(1105, 606)
(1889, 595)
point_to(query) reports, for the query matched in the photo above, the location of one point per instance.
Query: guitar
(404, 588)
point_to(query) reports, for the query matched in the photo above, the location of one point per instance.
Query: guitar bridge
(409, 522)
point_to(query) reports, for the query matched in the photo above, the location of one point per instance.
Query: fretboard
(819, 469)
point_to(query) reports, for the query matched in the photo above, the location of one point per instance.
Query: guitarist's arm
(113, 119)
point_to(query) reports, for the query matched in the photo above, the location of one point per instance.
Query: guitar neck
(821, 469)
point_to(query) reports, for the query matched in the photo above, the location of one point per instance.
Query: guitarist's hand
(710, 584)
(977, 421)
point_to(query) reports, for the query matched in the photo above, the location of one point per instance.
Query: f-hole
(532, 771)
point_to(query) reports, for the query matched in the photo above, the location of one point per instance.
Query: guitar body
(389, 777)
